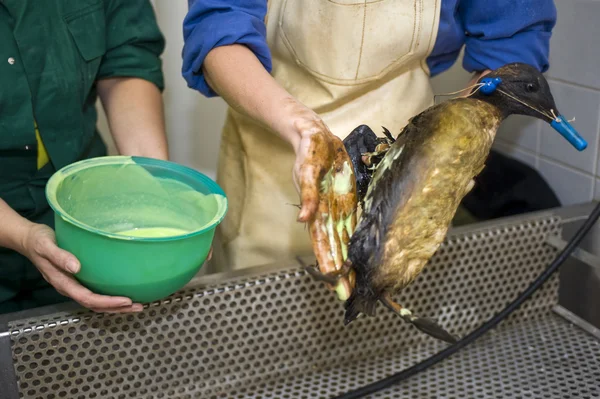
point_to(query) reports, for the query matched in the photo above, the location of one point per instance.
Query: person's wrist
(469, 88)
(19, 238)
(478, 75)
(295, 121)
(303, 127)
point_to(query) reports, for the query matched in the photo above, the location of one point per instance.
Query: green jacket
(52, 53)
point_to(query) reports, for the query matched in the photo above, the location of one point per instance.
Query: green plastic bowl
(108, 212)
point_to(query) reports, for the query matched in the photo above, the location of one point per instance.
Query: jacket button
(11, 61)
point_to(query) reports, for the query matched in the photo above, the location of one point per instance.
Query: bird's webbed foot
(426, 325)
(341, 280)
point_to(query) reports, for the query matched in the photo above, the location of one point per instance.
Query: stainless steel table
(272, 332)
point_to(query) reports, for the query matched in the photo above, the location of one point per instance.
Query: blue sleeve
(504, 31)
(212, 23)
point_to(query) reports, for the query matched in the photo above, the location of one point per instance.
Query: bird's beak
(562, 126)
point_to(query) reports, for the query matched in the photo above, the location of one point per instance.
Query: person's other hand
(476, 76)
(57, 266)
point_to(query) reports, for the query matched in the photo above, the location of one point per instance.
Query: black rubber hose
(487, 326)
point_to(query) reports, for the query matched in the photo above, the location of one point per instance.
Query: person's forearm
(13, 228)
(135, 114)
(240, 79)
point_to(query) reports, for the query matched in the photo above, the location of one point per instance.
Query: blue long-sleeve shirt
(493, 32)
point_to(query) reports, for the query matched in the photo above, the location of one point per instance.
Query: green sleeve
(134, 42)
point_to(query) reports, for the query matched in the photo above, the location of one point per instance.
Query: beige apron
(353, 62)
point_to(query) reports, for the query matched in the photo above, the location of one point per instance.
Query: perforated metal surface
(281, 335)
(540, 358)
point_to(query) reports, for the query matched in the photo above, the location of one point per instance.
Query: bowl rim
(58, 176)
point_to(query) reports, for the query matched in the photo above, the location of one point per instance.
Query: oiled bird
(420, 179)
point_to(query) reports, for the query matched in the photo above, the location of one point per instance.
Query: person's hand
(324, 177)
(56, 266)
(476, 76)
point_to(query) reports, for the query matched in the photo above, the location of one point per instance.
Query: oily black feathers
(391, 179)
(363, 140)
(390, 187)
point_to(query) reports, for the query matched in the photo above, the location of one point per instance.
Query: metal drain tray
(273, 332)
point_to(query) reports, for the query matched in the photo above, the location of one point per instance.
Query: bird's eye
(531, 87)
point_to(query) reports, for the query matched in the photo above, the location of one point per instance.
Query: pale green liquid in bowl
(127, 200)
(153, 232)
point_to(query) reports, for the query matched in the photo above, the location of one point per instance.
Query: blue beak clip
(565, 129)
